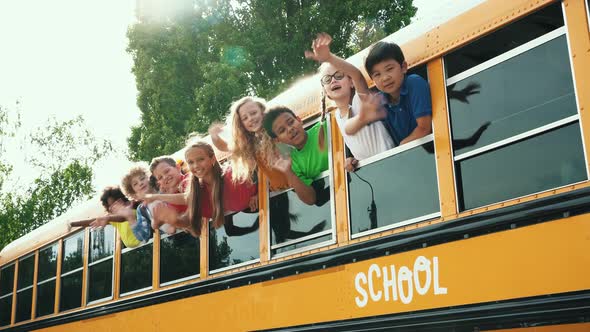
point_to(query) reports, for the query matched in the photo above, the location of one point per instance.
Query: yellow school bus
(483, 225)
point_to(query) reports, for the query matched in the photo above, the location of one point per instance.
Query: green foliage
(193, 59)
(65, 153)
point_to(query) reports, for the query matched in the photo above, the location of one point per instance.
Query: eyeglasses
(326, 79)
(110, 208)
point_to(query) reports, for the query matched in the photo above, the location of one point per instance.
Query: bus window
(46, 280)
(24, 288)
(100, 264)
(136, 268)
(179, 258)
(296, 225)
(519, 109)
(71, 272)
(6, 287)
(394, 188)
(234, 244)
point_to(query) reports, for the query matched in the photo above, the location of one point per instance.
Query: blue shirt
(414, 102)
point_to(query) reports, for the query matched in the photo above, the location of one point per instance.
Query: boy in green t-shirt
(307, 160)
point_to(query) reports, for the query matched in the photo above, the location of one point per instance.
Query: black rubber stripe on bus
(523, 214)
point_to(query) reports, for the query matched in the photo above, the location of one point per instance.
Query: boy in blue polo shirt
(406, 99)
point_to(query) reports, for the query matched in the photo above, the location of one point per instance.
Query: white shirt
(369, 140)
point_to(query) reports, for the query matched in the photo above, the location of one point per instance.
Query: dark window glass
(24, 300)
(234, 243)
(514, 96)
(291, 219)
(6, 280)
(47, 263)
(546, 161)
(303, 244)
(71, 291)
(404, 187)
(505, 39)
(179, 257)
(45, 298)
(100, 280)
(26, 269)
(136, 269)
(72, 253)
(5, 310)
(102, 243)
(421, 71)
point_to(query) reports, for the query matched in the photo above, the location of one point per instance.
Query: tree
(65, 153)
(192, 61)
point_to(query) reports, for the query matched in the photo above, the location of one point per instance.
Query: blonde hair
(126, 182)
(195, 196)
(246, 146)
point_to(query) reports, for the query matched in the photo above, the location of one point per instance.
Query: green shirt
(309, 162)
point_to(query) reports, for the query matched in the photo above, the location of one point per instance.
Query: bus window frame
(330, 173)
(15, 299)
(521, 49)
(81, 268)
(175, 281)
(126, 250)
(384, 155)
(98, 262)
(54, 278)
(12, 293)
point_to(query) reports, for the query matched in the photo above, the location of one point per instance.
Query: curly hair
(113, 192)
(127, 181)
(247, 146)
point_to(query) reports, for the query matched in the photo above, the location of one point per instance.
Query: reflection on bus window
(6, 287)
(71, 273)
(24, 288)
(516, 118)
(394, 191)
(179, 257)
(236, 243)
(100, 264)
(46, 280)
(295, 224)
(136, 268)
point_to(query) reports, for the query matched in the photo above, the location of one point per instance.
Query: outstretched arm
(178, 199)
(321, 53)
(215, 130)
(305, 193)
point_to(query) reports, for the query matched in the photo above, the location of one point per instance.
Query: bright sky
(63, 58)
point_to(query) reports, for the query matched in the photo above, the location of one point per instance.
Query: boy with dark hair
(307, 160)
(405, 98)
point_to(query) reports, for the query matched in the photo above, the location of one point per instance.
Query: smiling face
(200, 163)
(250, 115)
(168, 177)
(388, 76)
(337, 90)
(140, 184)
(289, 130)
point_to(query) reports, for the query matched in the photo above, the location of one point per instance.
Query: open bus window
(295, 224)
(179, 258)
(71, 274)
(46, 281)
(6, 287)
(136, 268)
(394, 190)
(100, 264)
(24, 288)
(523, 112)
(236, 243)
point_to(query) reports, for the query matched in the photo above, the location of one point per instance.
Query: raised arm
(321, 53)
(370, 111)
(178, 199)
(215, 130)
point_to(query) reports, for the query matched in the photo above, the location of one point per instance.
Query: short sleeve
(419, 93)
